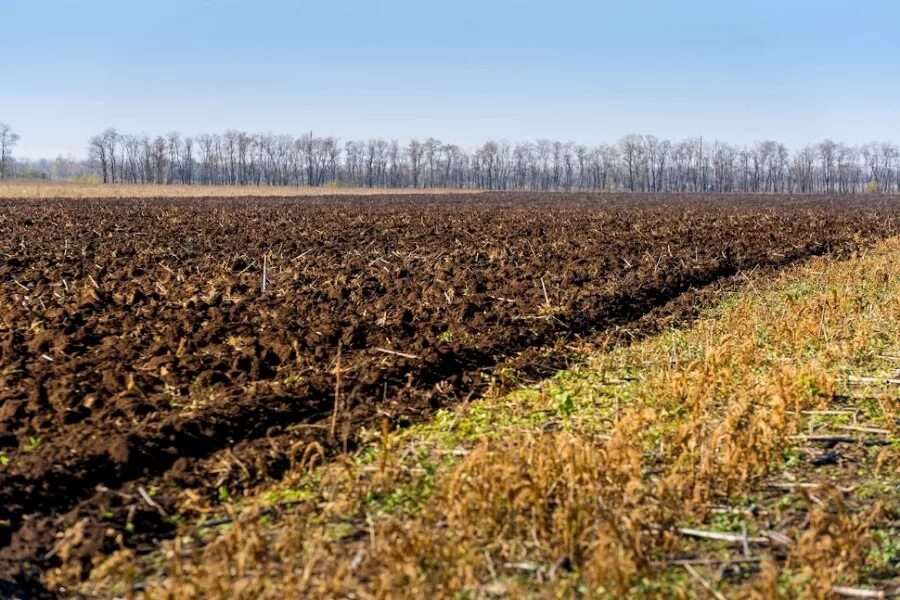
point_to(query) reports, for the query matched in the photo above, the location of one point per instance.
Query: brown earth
(138, 350)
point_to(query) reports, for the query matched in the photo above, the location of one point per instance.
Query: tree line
(636, 162)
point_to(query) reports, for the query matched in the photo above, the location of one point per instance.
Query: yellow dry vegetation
(686, 465)
(69, 190)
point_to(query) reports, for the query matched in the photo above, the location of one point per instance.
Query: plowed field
(163, 344)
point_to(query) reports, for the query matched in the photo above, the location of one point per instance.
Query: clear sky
(460, 70)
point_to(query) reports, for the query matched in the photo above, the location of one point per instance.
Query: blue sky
(461, 70)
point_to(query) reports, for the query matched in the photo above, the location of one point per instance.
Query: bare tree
(828, 155)
(724, 159)
(632, 148)
(415, 150)
(102, 152)
(803, 170)
(8, 140)
(431, 148)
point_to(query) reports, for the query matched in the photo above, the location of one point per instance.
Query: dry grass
(49, 190)
(581, 487)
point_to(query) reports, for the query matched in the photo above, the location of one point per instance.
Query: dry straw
(64, 190)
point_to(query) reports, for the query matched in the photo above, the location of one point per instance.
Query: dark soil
(137, 343)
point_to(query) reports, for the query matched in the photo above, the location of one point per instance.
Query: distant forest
(635, 163)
